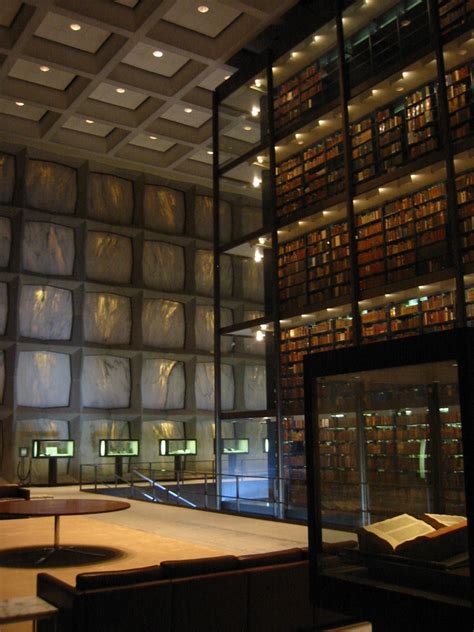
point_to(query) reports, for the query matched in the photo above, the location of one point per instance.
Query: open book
(435, 537)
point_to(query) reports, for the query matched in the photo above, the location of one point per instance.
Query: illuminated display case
(178, 447)
(52, 448)
(389, 432)
(119, 447)
(235, 446)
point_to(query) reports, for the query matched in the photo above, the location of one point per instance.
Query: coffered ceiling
(125, 82)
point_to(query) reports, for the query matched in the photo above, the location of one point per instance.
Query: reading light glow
(262, 240)
(120, 90)
(203, 8)
(158, 53)
(256, 182)
(90, 121)
(44, 68)
(19, 103)
(255, 111)
(258, 83)
(210, 152)
(260, 335)
(152, 137)
(260, 159)
(247, 128)
(75, 27)
(258, 256)
(188, 110)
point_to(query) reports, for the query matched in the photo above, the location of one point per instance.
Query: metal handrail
(162, 488)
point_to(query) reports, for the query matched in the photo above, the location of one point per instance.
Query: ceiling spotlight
(258, 256)
(120, 90)
(258, 83)
(89, 121)
(75, 27)
(152, 137)
(259, 336)
(255, 111)
(19, 103)
(203, 8)
(44, 68)
(260, 159)
(158, 53)
(188, 110)
(256, 182)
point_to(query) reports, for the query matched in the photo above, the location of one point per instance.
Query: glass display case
(389, 437)
(52, 448)
(178, 447)
(235, 446)
(118, 447)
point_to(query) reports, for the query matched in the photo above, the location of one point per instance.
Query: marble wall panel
(163, 384)
(152, 432)
(252, 280)
(48, 248)
(163, 266)
(50, 186)
(108, 257)
(106, 381)
(204, 386)
(45, 312)
(7, 178)
(164, 209)
(255, 387)
(43, 379)
(41, 428)
(203, 214)
(110, 199)
(5, 241)
(204, 328)
(92, 431)
(251, 219)
(163, 323)
(204, 273)
(107, 318)
(3, 308)
(2, 376)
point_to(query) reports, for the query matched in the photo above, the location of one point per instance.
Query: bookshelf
(372, 260)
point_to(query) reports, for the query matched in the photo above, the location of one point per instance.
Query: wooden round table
(60, 507)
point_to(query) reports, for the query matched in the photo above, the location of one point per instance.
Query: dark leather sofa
(268, 591)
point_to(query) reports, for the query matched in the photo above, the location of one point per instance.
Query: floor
(145, 534)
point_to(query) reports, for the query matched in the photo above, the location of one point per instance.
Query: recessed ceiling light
(75, 27)
(44, 68)
(19, 103)
(188, 110)
(90, 121)
(120, 90)
(203, 8)
(158, 53)
(152, 137)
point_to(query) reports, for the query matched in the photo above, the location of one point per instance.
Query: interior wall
(106, 317)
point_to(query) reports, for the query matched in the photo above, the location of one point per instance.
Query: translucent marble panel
(164, 209)
(46, 312)
(204, 386)
(204, 220)
(252, 280)
(105, 382)
(110, 199)
(43, 379)
(5, 241)
(107, 318)
(7, 178)
(163, 384)
(96, 429)
(251, 218)
(255, 388)
(163, 266)
(204, 273)
(2, 376)
(204, 328)
(48, 248)
(42, 428)
(163, 323)
(50, 187)
(108, 257)
(3, 308)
